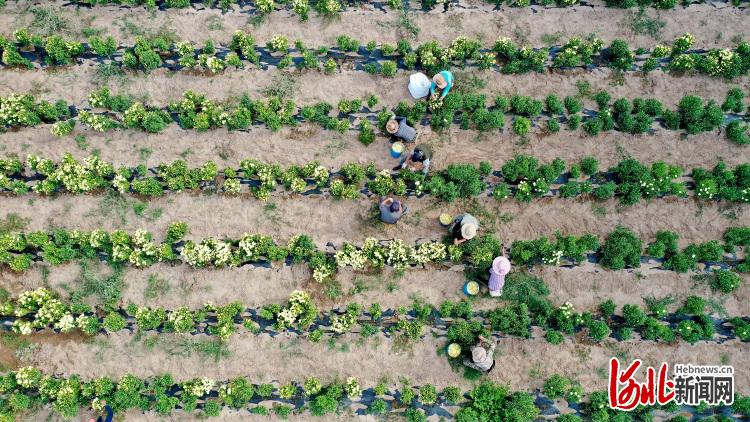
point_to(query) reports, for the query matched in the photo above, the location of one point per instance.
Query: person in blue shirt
(107, 417)
(442, 80)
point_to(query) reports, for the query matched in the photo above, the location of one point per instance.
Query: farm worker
(419, 85)
(418, 160)
(464, 228)
(391, 210)
(108, 417)
(399, 127)
(500, 268)
(442, 80)
(482, 356)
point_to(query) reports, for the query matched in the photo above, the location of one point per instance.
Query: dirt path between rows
(523, 364)
(338, 221)
(173, 286)
(306, 143)
(160, 87)
(525, 25)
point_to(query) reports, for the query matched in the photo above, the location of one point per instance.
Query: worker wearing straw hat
(482, 355)
(399, 127)
(464, 228)
(442, 80)
(499, 269)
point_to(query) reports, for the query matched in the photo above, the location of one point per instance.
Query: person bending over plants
(442, 80)
(391, 210)
(107, 417)
(418, 160)
(398, 127)
(464, 228)
(499, 269)
(482, 355)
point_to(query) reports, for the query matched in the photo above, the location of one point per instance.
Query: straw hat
(391, 126)
(439, 81)
(468, 230)
(501, 266)
(478, 354)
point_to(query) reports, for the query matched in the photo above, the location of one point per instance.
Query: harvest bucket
(453, 350)
(446, 219)
(397, 149)
(471, 288)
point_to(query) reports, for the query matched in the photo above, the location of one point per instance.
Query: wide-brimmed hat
(478, 354)
(440, 81)
(468, 230)
(501, 266)
(392, 126)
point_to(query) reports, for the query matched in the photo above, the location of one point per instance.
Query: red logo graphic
(625, 393)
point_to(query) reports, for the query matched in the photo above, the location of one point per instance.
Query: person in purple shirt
(500, 268)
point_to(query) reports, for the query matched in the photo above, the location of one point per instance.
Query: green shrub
(452, 394)
(573, 105)
(607, 308)
(574, 121)
(553, 104)
(621, 248)
(734, 101)
(554, 337)
(553, 126)
(512, 320)
(556, 386)
(619, 55)
(598, 331)
(388, 68)
(725, 281)
(456, 181)
(521, 126)
(634, 315)
(493, 402)
(693, 305)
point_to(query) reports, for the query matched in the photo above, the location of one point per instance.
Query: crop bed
(189, 225)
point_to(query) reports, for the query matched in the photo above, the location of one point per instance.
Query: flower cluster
(683, 43)
(279, 43)
(181, 320)
(706, 189)
(98, 122)
(352, 388)
(577, 52)
(344, 322)
(299, 310)
(350, 256)
(721, 62)
(198, 387)
(74, 176)
(18, 110)
(208, 252)
(553, 258)
(245, 45)
(28, 377)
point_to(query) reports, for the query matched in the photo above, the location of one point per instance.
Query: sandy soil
(351, 221)
(585, 287)
(523, 364)
(282, 360)
(73, 84)
(526, 25)
(306, 143)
